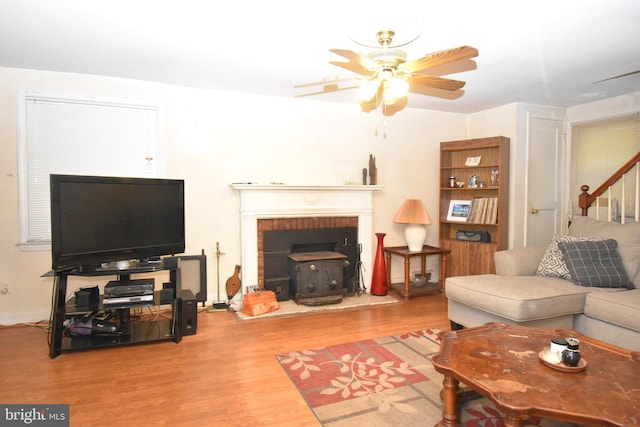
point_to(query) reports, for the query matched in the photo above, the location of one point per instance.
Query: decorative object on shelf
(452, 182)
(413, 213)
(474, 180)
(494, 177)
(379, 276)
(373, 171)
(473, 161)
(364, 176)
(458, 210)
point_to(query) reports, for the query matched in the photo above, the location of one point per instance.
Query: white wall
(215, 138)
(503, 121)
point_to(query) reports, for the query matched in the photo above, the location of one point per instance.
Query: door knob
(534, 211)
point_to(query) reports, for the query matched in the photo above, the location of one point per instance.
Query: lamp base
(415, 234)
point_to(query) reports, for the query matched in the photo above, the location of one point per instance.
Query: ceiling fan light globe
(399, 87)
(388, 98)
(368, 89)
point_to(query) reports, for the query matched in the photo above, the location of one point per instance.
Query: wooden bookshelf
(484, 192)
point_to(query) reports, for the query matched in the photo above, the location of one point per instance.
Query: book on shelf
(483, 210)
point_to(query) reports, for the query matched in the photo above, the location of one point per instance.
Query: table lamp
(413, 213)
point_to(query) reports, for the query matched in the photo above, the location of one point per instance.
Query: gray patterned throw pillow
(552, 263)
(595, 263)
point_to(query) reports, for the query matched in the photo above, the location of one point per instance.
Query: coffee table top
(501, 362)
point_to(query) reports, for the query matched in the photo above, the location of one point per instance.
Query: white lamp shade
(415, 234)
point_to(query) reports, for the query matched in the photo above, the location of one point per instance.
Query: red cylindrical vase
(379, 276)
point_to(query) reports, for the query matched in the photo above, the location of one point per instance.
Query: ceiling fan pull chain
(384, 123)
(384, 134)
(375, 132)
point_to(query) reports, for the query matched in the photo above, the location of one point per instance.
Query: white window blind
(600, 148)
(62, 134)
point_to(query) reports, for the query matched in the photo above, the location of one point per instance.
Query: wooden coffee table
(501, 362)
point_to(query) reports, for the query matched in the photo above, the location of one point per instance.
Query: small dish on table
(557, 364)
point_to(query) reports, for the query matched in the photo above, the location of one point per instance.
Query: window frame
(154, 165)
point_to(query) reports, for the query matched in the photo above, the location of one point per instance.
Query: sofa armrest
(518, 261)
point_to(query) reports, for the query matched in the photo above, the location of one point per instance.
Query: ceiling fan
(385, 75)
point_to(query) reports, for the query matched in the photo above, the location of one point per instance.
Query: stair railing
(585, 200)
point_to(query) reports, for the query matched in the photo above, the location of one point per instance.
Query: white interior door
(545, 177)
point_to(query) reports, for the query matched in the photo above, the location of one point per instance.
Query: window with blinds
(598, 149)
(73, 135)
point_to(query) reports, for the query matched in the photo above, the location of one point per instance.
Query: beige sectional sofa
(588, 280)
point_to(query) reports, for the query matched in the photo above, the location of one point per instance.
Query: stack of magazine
(483, 210)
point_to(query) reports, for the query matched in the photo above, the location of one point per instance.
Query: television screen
(98, 219)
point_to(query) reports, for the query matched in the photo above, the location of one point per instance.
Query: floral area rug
(386, 381)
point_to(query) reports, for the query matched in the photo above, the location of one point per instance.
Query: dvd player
(127, 300)
(129, 288)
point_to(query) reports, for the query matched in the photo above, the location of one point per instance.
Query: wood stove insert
(317, 277)
(278, 245)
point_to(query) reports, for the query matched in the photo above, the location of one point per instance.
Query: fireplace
(268, 207)
(279, 240)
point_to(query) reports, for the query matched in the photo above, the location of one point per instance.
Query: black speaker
(188, 313)
(167, 295)
(191, 274)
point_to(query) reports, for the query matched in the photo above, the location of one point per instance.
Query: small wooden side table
(405, 289)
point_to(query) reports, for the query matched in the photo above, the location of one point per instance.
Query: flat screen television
(98, 219)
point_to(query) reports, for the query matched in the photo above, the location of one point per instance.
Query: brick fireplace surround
(283, 207)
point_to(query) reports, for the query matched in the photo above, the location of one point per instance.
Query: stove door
(317, 278)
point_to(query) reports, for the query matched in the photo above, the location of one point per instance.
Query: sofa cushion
(519, 298)
(626, 235)
(552, 263)
(518, 261)
(618, 308)
(595, 263)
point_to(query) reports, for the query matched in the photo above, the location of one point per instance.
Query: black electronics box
(280, 286)
(473, 236)
(87, 297)
(128, 288)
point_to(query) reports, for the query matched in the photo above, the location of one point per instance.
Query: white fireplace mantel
(293, 201)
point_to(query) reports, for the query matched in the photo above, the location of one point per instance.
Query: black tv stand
(132, 331)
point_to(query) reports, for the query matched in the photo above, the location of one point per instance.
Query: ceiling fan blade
(348, 54)
(452, 68)
(440, 58)
(327, 89)
(436, 82)
(438, 93)
(353, 67)
(618, 76)
(325, 82)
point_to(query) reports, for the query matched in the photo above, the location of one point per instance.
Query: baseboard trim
(34, 316)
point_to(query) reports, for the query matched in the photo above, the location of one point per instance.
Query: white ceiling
(547, 52)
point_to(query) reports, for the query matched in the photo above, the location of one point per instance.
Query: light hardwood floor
(225, 375)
